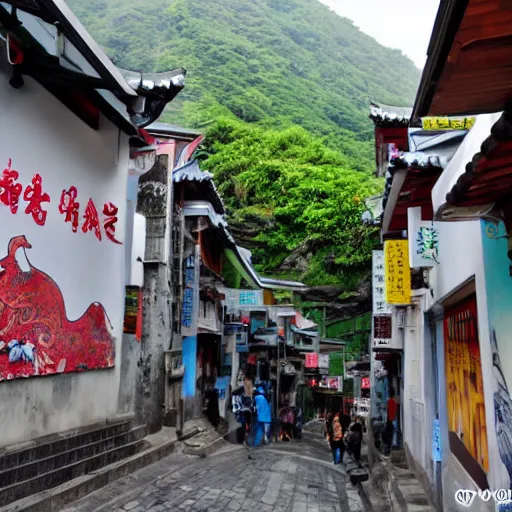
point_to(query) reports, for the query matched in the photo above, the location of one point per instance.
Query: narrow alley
(253, 258)
(291, 477)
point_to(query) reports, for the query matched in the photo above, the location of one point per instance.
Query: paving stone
(298, 477)
(131, 505)
(234, 505)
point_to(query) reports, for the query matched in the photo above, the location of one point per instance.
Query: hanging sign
(436, 441)
(311, 360)
(423, 240)
(397, 272)
(132, 311)
(381, 310)
(436, 124)
(365, 383)
(323, 361)
(379, 300)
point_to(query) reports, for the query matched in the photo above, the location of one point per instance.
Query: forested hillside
(282, 89)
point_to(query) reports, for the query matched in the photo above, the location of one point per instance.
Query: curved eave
(480, 175)
(78, 35)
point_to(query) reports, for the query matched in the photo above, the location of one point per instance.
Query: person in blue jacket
(263, 416)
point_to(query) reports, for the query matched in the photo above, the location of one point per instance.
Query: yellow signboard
(397, 273)
(447, 123)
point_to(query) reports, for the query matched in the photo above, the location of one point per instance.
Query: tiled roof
(191, 172)
(417, 161)
(501, 132)
(388, 116)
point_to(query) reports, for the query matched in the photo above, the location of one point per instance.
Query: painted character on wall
(428, 243)
(502, 413)
(36, 337)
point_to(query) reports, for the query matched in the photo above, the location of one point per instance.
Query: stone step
(56, 498)
(68, 472)
(60, 459)
(409, 494)
(14, 456)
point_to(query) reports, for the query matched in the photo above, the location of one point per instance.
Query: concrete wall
(498, 349)
(466, 252)
(41, 136)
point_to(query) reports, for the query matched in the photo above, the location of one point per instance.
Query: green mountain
(282, 89)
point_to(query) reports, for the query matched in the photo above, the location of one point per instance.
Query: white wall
(41, 136)
(461, 258)
(414, 429)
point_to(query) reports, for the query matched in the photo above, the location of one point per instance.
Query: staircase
(51, 461)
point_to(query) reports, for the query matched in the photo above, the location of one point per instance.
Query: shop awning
(310, 334)
(240, 268)
(410, 180)
(303, 323)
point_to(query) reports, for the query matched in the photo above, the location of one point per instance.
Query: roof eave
(448, 20)
(84, 42)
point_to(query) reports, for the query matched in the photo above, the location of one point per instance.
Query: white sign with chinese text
(323, 361)
(380, 307)
(423, 240)
(382, 320)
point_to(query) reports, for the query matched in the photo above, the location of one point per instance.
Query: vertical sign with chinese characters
(379, 300)
(188, 296)
(436, 441)
(423, 240)
(131, 310)
(397, 272)
(381, 311)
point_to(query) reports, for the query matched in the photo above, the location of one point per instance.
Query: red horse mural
(36, 337)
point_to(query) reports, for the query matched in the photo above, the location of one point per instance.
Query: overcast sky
(403, 24)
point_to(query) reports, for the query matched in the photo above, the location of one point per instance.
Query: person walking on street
(263, 416)
(328, 427)
(337, 445)
(389, 430)
(354, 440)
(345, 423)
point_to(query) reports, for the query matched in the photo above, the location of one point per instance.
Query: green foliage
(282, 88)
(308, 191)
(275, 62)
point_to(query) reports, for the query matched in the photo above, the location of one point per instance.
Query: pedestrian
(287, 421)
(212, 407)
(337, 444)
(263, 416)
(345, 423)
(328, 427)
(297, 433)
(391, 416)
(354, 440)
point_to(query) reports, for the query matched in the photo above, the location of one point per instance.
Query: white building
(71, 122)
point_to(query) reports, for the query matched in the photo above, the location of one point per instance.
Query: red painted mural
(36, 337)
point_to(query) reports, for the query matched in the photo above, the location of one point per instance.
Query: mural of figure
(502, 411)
(36, 337)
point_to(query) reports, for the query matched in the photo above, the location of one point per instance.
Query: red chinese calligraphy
(91, 220)
(110, 211)
(35, 196)
(69, 206)
(10, 191)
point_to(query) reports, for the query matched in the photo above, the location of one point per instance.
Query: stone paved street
(296, 477)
